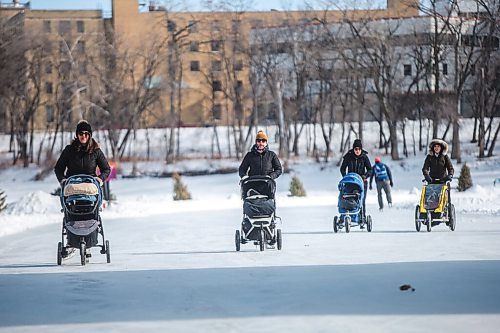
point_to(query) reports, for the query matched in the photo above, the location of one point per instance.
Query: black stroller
(81, 198)
(259, 218)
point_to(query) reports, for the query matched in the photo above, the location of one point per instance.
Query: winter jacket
(437, 167)
(358, 164)
(75, 160)
(260, 164)
(383, 177)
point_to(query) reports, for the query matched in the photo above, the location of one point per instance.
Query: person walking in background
(356, 160)
(260, 161)
(383, 181)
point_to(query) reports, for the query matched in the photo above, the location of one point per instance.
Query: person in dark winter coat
(260, 161)
(82, 156)
(383, 180)
(437, 165)
(356, 160)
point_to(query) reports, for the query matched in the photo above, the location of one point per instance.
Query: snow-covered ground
(174, 265)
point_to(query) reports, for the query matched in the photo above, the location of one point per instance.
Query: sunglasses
(261, 140)
(83, 133)
(357, 148)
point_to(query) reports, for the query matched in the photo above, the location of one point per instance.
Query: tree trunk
(455, 148)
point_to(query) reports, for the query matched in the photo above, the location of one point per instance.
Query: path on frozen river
(180, 272)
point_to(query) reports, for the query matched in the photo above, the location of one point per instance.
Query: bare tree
(129, 84)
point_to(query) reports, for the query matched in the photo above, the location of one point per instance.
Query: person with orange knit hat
(383, 180)
(260, 161)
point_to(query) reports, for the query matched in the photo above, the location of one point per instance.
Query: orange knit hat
(261, 135)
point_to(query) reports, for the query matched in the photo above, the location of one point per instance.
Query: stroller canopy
(258, 185)
(352, 180)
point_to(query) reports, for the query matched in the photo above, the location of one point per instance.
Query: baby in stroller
(81, 199)
(259, 219)
(350, 204)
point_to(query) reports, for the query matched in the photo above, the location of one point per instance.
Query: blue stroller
(81, 198)
(350, 204)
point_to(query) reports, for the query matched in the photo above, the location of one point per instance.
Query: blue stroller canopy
(353, 179)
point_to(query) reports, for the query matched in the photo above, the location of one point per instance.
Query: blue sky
(254, 5)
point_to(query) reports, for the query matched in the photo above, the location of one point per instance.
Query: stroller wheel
(335, 224)
(108, 253)
(237, 240)
(369, 223)
(452, 218)
(347, 223)
(83, 256)
(59, 253)
(262, 240)
(429, 221)
(418, 224)
(278, 238)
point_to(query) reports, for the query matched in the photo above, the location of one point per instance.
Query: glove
(448, 178)
(428, 179)
(392, 184)
(371, 188)
(99, 180)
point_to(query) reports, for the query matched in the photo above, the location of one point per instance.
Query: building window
(216, 26)
(64, 27)
(407, 70)
(65, 68)
(445, 69)
(48, 68)
(216, 85)
(216, 45)
(48, 88)
(238, 46)
(46, 26)
(80, 26)
(62, 46)
(49, 113)
(80, 47)
(238, 87)
(195, 66)
(171, 25)
(238, 65)
(216, 111)
(194, 46)
(216, 66)
(82, 68)
(47, 47)
(236, 26)
(192, 26)
(257, 23)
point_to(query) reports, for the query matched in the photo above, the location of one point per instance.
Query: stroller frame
(443, 212)
(264, 225)
(95, 223)
(352, 217)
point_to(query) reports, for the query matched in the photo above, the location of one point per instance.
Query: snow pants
(383, 185)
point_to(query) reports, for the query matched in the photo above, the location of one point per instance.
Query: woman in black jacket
(356, 160)
(437, 165)
(260, 161)
(82, 156)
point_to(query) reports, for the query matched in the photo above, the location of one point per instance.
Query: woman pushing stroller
(81, 195)
(435, 200)
(356, 160)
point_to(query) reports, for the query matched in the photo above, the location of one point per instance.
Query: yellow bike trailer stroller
(435, 207)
